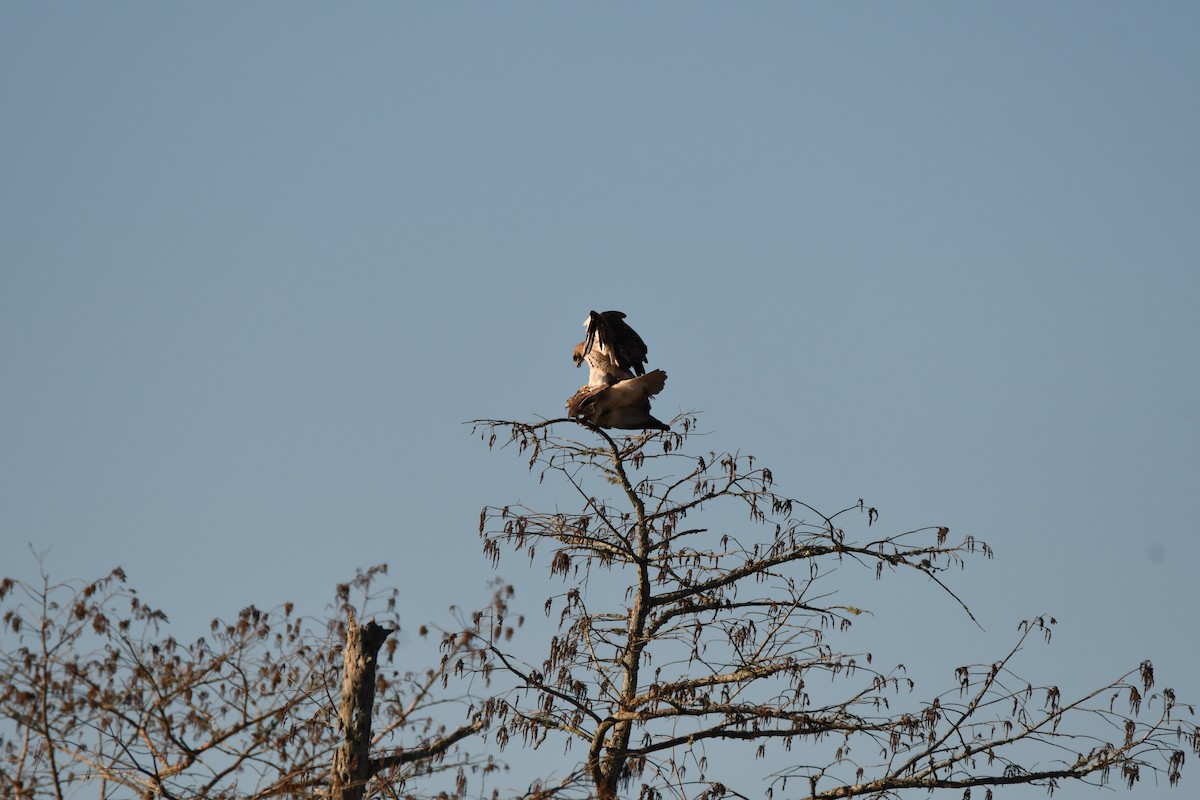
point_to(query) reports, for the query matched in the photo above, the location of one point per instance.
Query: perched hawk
(613, 350)
(624, 404)
(619, 389)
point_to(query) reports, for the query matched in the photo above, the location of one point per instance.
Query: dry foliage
(96, 699)
(689, 629)
(696, 629)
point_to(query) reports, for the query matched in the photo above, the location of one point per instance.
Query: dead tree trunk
(352, 762)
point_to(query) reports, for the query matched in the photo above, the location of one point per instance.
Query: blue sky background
(259, 263)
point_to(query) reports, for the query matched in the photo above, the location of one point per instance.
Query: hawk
(624, 404)
(618, 391)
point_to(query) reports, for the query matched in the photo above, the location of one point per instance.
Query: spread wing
(611, 335)
(636, 390)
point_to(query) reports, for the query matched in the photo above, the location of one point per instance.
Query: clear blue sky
(259, 262)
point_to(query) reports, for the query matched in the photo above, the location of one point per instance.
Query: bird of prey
(618, 391)
(624, 404)
(613, 350)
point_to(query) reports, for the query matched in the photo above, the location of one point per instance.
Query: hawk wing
(611, 335)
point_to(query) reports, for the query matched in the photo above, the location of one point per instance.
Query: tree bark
(352, 761)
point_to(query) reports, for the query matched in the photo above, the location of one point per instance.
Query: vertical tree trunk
(352, 761)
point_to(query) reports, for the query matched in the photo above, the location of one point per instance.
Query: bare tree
(697, 620)
(95, 694)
